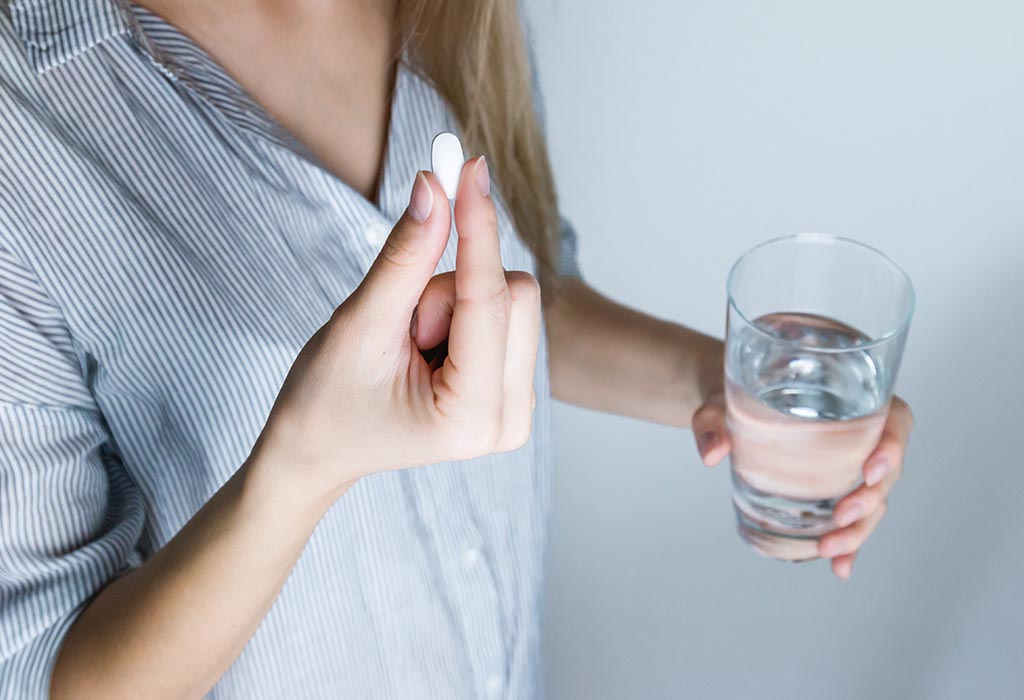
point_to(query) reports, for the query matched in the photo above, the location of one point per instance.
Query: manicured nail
(706, 442)
(849, 514)
(421, 201)
(414, 323)
(877, 470)
(483, 176)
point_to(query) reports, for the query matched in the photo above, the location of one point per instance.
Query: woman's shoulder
(54, 84)
(30, 119)
(49, 157)
(14, 65)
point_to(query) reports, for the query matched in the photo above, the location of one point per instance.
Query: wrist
(711, 377)
(290, 481)
(698, 367)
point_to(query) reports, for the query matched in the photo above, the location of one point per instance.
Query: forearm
(611, 358)
(172, 627)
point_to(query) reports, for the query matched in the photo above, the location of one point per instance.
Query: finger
(864, 500)
(893, 443)
(849, 539)
(479, 328)
(842, 566)
(409, 256)
(709, 431)
(520, 360)
(479, 275)
(434, 312)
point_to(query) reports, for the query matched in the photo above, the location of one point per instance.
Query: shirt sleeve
(70, 518)
(568, 264)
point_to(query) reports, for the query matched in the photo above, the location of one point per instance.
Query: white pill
(446, 159)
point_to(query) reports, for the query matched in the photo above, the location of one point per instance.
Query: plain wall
(684, 132)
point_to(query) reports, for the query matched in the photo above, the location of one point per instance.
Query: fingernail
(845, 571)
(483, 176)
(877, 470)
(849, 514)
(706, 441)
(421, 201)
(414, 323)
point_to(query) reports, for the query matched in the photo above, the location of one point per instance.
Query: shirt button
(470, 556)
(376, 232)
(493, 687)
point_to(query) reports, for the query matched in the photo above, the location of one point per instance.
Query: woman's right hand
(361, 398)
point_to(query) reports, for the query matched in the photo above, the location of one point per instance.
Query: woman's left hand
(858, 513)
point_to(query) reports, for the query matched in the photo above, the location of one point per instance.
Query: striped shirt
(166, 249)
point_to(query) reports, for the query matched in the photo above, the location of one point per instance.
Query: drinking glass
(815, 331)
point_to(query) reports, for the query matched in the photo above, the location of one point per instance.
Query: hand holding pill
(363, 386)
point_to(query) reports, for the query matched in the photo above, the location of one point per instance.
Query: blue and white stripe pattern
(165, 251)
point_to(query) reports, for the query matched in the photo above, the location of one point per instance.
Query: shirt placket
(466, 560)
(467, 556)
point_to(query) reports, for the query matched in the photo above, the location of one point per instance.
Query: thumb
(407, 260)
(708, 423)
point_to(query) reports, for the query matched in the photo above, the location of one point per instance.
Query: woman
(216, 361)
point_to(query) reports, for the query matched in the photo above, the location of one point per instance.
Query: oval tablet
(446, 159)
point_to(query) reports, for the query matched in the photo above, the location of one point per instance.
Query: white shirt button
(493, 687)
(376, 232)
(470, 555)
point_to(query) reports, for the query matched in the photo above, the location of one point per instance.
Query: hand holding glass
(815, 333)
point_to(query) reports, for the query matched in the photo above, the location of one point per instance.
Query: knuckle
(397, 252)
(890, 442)
(476, 437)
(518, 433)
(501, 297)
(496, 302)
(875, 496)
(708, 414)
(523, 286)
(492, 292)
(441, 282)
(522, 436)
(487, 436)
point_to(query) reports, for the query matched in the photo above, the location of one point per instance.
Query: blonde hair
(475, 55)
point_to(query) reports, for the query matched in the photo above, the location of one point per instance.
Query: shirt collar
(54, 31)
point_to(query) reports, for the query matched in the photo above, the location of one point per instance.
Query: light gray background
(683, 132)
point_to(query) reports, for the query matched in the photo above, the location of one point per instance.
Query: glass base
(789, 548)
(781, 528)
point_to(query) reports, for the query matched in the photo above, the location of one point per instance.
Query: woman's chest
(189, 304)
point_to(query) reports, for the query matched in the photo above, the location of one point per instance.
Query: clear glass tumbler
(815, 332)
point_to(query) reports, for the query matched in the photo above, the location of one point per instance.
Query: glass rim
(812, 237)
